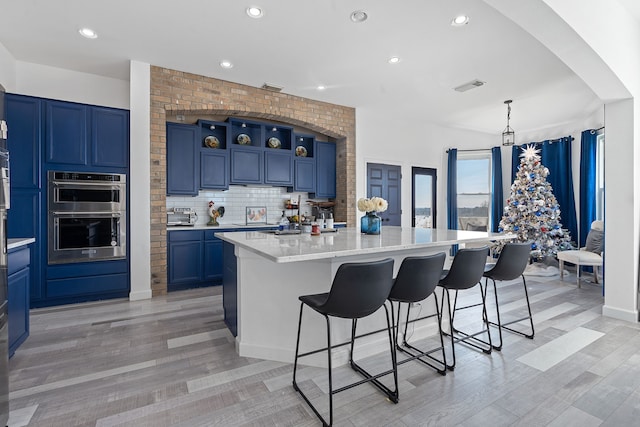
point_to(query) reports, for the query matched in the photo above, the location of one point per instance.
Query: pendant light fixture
(508, 135)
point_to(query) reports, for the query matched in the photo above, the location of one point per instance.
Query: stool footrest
(420, 355)
(373, 379)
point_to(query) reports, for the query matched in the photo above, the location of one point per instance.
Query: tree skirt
(540, 269)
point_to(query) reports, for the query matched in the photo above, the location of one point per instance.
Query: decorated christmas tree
(532, 211)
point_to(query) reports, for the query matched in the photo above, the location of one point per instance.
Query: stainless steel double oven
(87, 216)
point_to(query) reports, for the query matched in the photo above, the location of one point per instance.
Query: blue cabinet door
(66, 134)
(214, 169)
(246, 165)
(18, 296)
(213, 260)
(109, 137)
(325, 154)
(24, 119)
(304, 175)
(185, 262)
(278, 167)
(182, 159)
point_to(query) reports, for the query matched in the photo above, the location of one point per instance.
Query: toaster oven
(181, 216)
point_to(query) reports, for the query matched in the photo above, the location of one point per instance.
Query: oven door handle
(93, 213)
(88, 184)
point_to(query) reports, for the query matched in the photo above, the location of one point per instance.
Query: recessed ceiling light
(321, 87)
(226, 64)
(88, 33)
(359, 16)
(460, 20)
(393, 60)
(255, 12)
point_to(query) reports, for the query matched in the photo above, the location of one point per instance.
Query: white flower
(374, 204)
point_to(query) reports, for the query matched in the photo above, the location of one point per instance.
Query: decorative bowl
(212, 142)
(301, 151)
(274, 142)
(243, 139)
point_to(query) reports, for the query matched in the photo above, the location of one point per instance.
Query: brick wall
(176, 92)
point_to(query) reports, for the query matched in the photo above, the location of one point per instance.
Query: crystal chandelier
(508, 135)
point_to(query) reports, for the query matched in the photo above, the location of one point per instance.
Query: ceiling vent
(468, 86)
(272, 88)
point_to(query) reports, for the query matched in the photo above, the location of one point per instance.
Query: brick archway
(176, 92)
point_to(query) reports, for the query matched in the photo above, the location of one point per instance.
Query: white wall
(384, 138)
(7, 69)
(57, 83)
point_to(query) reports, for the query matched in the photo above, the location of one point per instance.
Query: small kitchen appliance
(181, 216)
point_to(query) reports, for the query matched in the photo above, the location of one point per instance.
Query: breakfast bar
(265, 273)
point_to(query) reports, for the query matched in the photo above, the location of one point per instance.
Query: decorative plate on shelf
(212, 142)
(274, 142)
(244, 139)
(301, 151)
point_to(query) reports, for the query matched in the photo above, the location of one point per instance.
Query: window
(600, 176)
(474, 190)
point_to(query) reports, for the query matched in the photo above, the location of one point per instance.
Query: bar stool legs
(469, 339)
(373, 379)
(413, 352)
(499, 325)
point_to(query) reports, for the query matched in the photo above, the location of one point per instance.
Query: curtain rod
(596, 130)
(476, 149)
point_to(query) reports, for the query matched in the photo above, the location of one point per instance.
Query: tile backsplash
(237, 198)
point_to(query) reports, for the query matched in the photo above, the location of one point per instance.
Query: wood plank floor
(170, 361)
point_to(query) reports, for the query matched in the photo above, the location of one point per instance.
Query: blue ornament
(519, 191)
(555, 227)
(531, 189)
(532, 175)
(516, 228)
(515, 203)
(534, 246)
(538, 213)
(500, 229)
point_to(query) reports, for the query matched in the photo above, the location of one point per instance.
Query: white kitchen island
(266, 273)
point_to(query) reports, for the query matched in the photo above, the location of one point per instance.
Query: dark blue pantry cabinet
(46, 134)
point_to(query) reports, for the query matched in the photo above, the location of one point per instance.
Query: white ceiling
(300, 44)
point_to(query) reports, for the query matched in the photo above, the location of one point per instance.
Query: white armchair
(590, 255)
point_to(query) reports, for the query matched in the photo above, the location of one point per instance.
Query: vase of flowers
(370, 223)
(214, 214)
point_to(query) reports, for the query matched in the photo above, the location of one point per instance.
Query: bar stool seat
(416, 281)
(358, 290)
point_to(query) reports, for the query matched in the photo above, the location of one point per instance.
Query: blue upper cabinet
(214, 169)
(24, 116)
(325, 155)
(109, 137)
(66, 137)
(182, 159)
(246, 165)
(278, 167)
(85, 136)
(304, 175)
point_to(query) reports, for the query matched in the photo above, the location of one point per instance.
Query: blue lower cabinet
(194, 259)
(18, 296)
(84, 281)
(185, 262)
(213, 260)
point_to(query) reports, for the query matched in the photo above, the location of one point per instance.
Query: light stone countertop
(227, 226)
(349, 242)
(18, 242)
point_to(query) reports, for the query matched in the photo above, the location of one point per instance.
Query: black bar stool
(466, 272)
(416, 280)
(358, 290)
(513, 259)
